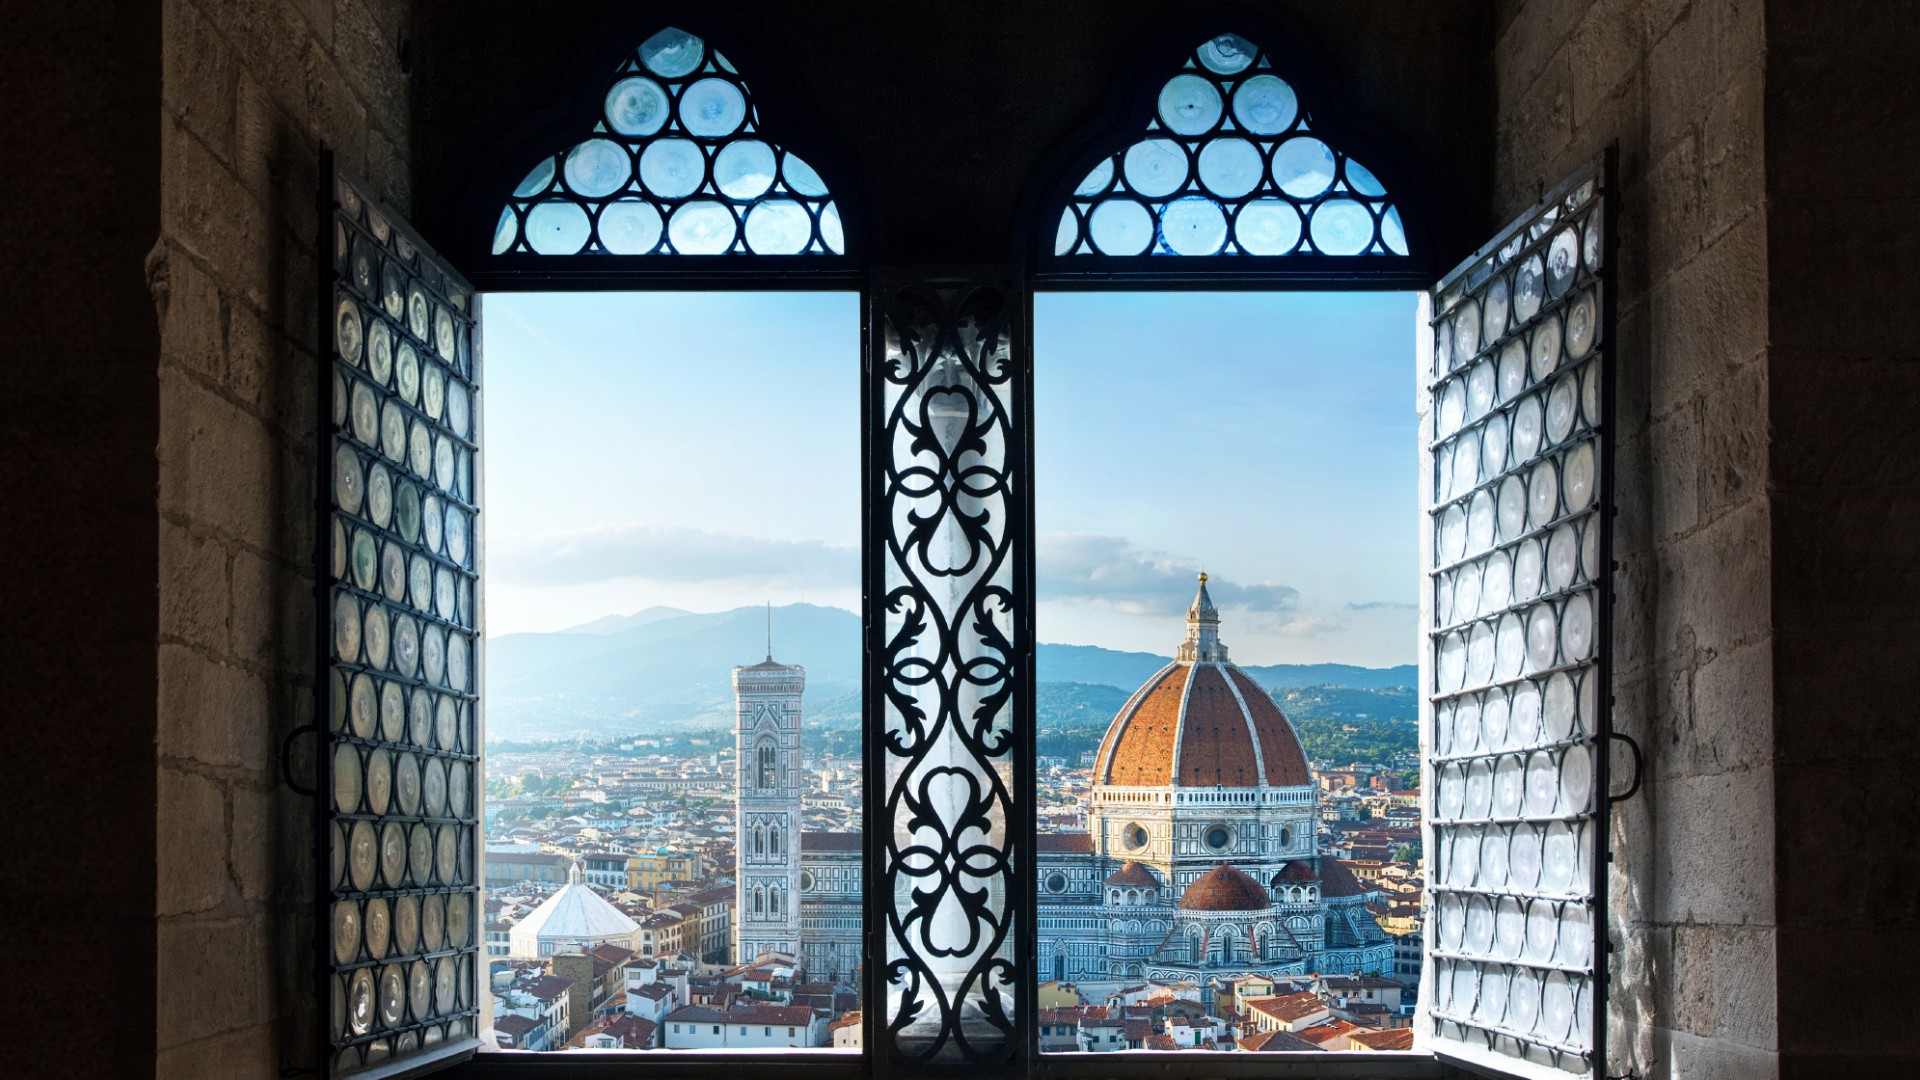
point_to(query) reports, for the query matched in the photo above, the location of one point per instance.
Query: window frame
(1037, 270)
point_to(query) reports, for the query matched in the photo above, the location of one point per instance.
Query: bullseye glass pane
(1519, 375)
(410, 407)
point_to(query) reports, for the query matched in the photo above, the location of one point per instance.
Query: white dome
(575, 914)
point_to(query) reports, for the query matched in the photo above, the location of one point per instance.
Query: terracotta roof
(1072, 842)
(633, 1032)
(851, 1019)
(1132, 873)
(1209, 719)
(1391, 1039)
(1161, 1042)
(1276, 1040)
(831, 841)
(1328, 1031)
(1295, 873)
(1224, 888)
(1338, 881)
(1288, 1007)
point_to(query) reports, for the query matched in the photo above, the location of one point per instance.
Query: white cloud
(1091, 568)
(677, 555)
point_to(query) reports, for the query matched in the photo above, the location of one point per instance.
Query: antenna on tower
(769, 631)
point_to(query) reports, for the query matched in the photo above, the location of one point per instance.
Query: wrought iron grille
(1231, 164)
(676, 164)
(399, 769)
(949, 643)
(1520, 413)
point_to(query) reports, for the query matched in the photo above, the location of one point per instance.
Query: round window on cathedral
(806, 881)
(1134, 836)
(1056, 882)
(1217, 837)
(1286, 837)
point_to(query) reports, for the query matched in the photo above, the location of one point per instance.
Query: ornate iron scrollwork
(950, 644)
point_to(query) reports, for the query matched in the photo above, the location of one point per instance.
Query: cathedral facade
(1201, 855)
(796, 892)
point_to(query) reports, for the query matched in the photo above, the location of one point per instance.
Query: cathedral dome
(1224, 889)
(1201, 722)
(576, 916)
(1132, 873)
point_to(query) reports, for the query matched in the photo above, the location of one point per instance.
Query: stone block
(212, 712)
(193, 314)
(253, 854)
(205, 210)
(198, 74)
(1608, 47)
(192, 822)
(270, 600)
(1717, 860)
(1744, 985)
(1672, 236)
(1674, 461)
(1732, 143)
(1733, 440)
(1709, 314)
(214, 972)
(1680, 77)
(1730, 717)
(1713, 583)
(217, 463)
(240, 1055)
(194, 584)
(368, 55)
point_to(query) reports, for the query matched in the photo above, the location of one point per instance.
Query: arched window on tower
(759, 900)
(767, 767)
(759, 840)
(773, 840)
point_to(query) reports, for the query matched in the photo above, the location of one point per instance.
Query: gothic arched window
(1231, 161)
(766, 759)
(773, 840)
(759, 840)
(674, 163)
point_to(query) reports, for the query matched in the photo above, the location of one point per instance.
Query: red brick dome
(1224, 889)
(1201, 722)
(1132, 873)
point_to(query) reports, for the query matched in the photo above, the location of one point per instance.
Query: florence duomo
(1201, 859)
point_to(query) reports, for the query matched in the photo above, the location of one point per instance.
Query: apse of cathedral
(1201, 857)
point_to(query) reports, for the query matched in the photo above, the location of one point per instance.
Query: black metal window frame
(865, 271)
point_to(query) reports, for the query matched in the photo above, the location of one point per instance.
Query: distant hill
(664, 666)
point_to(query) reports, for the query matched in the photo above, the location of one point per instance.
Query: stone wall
(1843, 362)
(1679, 85)
(250, 90)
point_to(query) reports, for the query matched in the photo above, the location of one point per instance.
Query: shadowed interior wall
(251, 90)
(81, 87)
(1843, 368)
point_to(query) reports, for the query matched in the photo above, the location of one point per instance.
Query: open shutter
(1519, 417)
(399, 763)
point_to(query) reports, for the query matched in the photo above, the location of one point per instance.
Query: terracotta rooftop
(1132, 873)
(1070, 842)
(1276, 1041)
(1337, 881)
(1297, 872)
(1224, 888)
(1391, 1039)
(1288, 1007)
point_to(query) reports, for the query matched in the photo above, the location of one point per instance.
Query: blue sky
(702, 450)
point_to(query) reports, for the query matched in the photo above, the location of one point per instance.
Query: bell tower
(767, 807)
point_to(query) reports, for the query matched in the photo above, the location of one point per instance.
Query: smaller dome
(1295, 873)
(1132, 874)
(1224, 889)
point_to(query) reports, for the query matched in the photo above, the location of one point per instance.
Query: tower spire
(769, 631)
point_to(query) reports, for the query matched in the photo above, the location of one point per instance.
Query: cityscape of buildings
(1203, 884)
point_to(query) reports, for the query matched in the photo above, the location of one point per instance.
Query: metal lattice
(1519, 632)
(676, 164)
(401, 762)
(947, 642)
(1231, 165)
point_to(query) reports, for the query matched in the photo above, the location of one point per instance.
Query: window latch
(1639, 764)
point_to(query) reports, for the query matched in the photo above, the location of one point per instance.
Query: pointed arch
(673, 162)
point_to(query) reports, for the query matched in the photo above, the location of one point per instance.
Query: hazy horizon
(1267, 438)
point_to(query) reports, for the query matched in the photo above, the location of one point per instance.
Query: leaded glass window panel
(950, 648)
(676, 163)
(1518, 669)
(400, 762)
(1231, 163)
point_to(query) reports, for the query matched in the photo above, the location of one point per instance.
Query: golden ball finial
(1203, 577)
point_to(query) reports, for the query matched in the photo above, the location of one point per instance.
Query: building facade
(1201, 856)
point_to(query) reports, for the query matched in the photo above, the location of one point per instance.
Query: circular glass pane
(702, 227)
(1479, 935)
(1194, 226)
(362, 856)
(1557, 712)
(347, 332)
(557, 227)
(1304, 167)
(1267, 227)
(1189, 104)
(744, 169)
(627, 227)
(1265, 105)
(712, 108)
(672, 53)
(1228, 54)
(347, 778)
(1155, 167)
(1230, 168)
(1562, 258)
(801, 178)
(1523, 857)
(379, 780)
(598, 167)
(1121, 227)
(1583, 319)
(778, 227)
(1342, 227)
(1559, 852)
(636, 106)
(672, 168)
